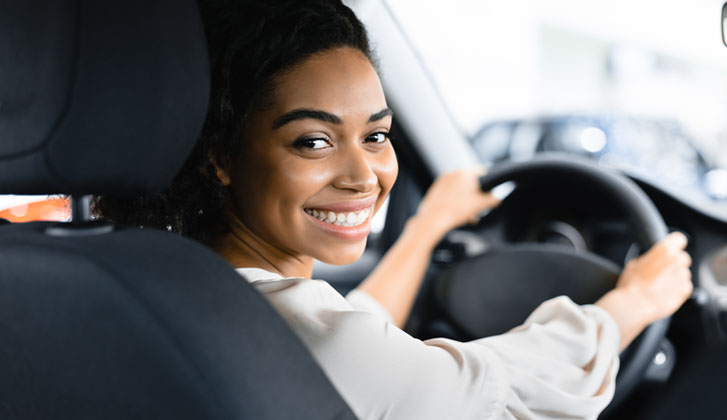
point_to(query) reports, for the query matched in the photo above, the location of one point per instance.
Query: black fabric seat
(98, 322)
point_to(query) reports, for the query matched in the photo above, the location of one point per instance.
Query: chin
(343, 255)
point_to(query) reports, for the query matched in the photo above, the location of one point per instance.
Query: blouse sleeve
(362, 301)
(561, 363)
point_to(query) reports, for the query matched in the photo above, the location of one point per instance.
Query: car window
(642, 85)
(15, 208)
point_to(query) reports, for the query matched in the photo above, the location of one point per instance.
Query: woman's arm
(453, 200)
(651, 287)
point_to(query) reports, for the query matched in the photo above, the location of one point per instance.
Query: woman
(294, 161)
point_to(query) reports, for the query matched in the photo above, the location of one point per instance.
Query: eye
(311, 143)
(379, 137)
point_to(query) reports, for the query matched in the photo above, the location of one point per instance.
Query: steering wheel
(521, 276)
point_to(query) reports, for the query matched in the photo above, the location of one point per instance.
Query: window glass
(638, 84)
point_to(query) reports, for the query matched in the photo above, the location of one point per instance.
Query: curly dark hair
(250, 44)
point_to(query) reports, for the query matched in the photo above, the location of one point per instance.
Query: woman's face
(317, 164)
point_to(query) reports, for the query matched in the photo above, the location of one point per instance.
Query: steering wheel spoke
(475, 289)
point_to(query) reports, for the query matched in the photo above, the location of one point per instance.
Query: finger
(688, 286)
(676, 258)
(488, 201)
(680, 277)
(679, 269)
(684, 287)
(668, 247)
(675, 241)
(685, 259)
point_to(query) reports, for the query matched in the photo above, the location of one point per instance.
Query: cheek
(302, 174)
(261, 185)
(296, 182)
(386, 169)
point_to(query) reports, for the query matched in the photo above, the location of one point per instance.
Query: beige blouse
(560, 364)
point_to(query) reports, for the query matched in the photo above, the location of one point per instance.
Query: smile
(349, 219)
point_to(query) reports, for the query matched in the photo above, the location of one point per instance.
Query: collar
(253, 274)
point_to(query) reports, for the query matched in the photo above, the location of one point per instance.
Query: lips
(345, 206)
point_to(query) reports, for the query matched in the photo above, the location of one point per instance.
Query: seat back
(100, 322)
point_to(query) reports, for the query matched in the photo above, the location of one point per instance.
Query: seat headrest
(99, 97)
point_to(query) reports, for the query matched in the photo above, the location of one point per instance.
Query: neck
(241, 247)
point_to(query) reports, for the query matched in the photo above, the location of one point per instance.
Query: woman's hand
(454, 199)
(651, 287)
(661, 277)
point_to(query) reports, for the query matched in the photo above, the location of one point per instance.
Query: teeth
(341, 219)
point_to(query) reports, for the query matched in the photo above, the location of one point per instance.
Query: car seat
(100, 322)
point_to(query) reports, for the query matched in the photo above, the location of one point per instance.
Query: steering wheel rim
(643, 217)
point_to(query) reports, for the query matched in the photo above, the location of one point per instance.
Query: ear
(221, 171)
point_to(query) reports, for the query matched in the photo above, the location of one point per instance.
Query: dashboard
(569, 214)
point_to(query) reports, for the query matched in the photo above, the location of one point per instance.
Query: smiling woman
(329, 166)
(294, 161)
(196, 202)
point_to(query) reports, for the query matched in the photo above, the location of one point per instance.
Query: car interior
(665, 374)
(99, 321)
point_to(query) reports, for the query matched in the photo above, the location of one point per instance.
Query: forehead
(341, 81)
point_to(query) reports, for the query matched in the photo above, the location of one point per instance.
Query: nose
(356, 170)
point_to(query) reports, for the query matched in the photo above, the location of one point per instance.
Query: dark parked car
(658, 150)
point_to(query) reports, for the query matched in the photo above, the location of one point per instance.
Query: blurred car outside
(609, 80)
(659, 150)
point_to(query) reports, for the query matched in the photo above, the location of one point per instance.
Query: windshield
(640, 85)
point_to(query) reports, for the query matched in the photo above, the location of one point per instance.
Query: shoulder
(298, 300)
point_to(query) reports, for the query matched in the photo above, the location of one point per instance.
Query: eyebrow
(303, 113)
(386, 112)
